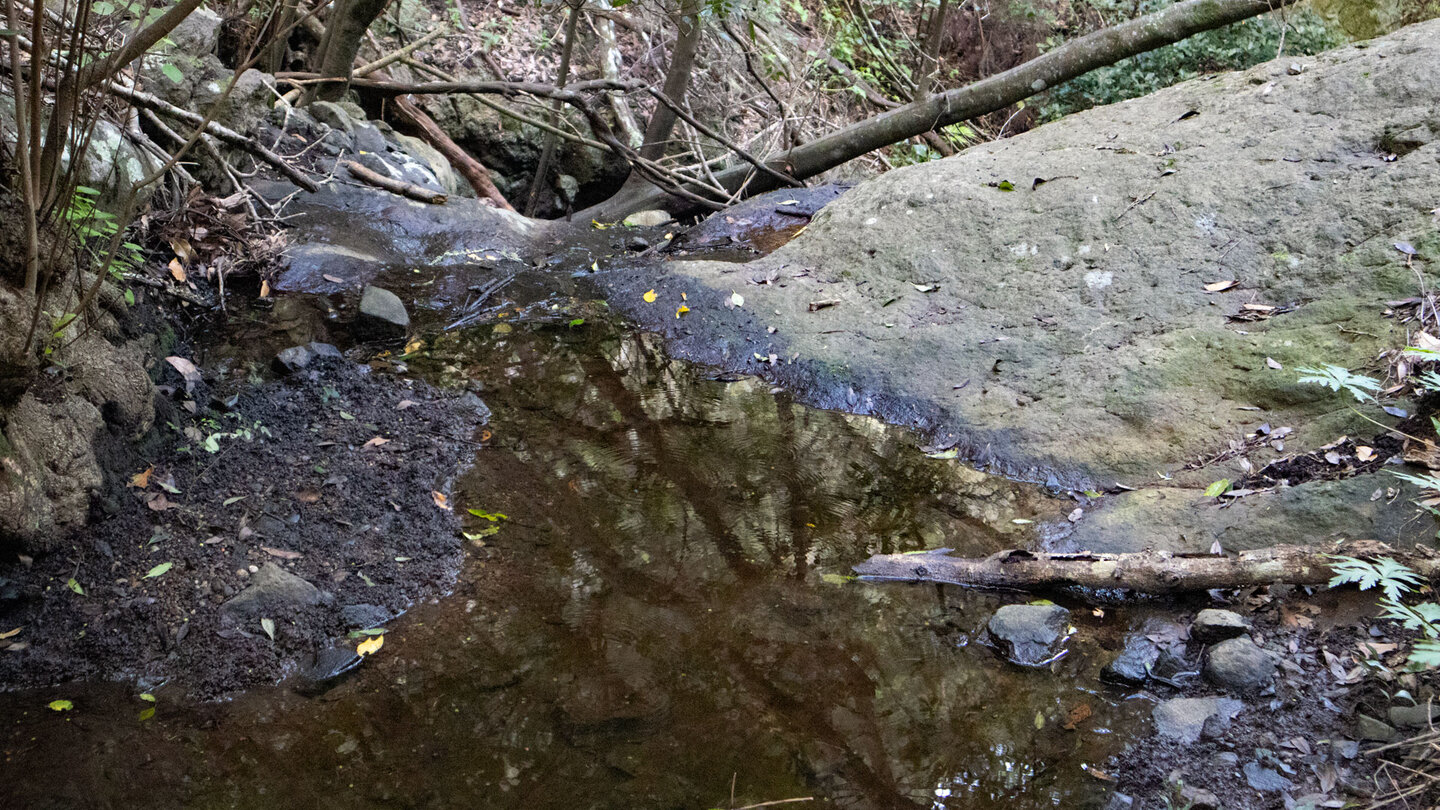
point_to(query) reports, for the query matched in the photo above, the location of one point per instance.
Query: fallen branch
(1146, 571)
(471, 169)
(149, 102)
(392, 185)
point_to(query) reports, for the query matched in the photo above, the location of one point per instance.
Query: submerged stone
(1029, 635)
(1132, 666)
(382, 314)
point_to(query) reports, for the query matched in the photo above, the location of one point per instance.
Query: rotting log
(1154, 572)
(392, 185)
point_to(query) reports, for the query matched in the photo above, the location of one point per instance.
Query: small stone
(1266, 780)
(1239, 666)
(1414, 716)
(1295, 69)
(271, 592)
(293, 359)
(1212, 626)
(324, 351)
(1369, 729)
(648, 219)
(1133, 664)
(1028, 635)
(1226, 760)
(331, 115)
(1119, 801)
(382, 314)
(1187, 720)
(363, 616)
(1198, 798)
(637, 243)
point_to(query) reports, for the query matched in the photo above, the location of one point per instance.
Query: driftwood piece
(471, 169)
(390, 184)
(1146, 571)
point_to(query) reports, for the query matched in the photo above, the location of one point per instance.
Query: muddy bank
(302, 507)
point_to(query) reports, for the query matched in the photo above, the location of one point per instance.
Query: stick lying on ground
(1145, 571)
(400, 187)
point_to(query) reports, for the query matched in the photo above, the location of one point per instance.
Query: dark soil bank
(318, 507)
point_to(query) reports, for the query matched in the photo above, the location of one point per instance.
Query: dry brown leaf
(264, 288)
(187, 370)
(9, 633)
(284, 554)
(1364, 453)
(1423, 453)
(376, 442)
(1257, 307)
(307, 495)
(141, 480)
(182, 249)
(441, 500)
(1077, 715)
(1220, 286)
(177, 270)
(159, 503)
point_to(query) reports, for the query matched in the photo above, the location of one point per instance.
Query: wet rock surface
(1213, 625)
(1029, 635)
(272, 593)
(1035, 349)
(1187, 720)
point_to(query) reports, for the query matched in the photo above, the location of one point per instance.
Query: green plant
(1396, 581)
(1336, 378)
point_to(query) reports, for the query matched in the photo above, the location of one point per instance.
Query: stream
(655, 612)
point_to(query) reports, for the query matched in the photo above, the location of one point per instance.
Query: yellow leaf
(649, 297)
(684, 297)
(414, 346)
(376, 442)
(264, 289)
(370, 646)
(502, 329)
(681, 311)
(61, 705)
(141, 480)
(9, 633)
(441, 500)
(177, 270)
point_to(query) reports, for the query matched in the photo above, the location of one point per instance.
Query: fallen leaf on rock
(141, 480)
(60, 705)
(441, 500)
(649, 296)
(1406, 248)
(376, 442)
(177, 270)
(1218, 488)
(681, 311)
(213, 541)
(11, 633)
(406, 403)
(187, 370)
(268, 625)
(264, 288)
(1257, 307)
(1077, 715)
(816, 306)
(1075, 515)
(1364, 453)
(370, 646)
(332, 279)
(282, 553)
(1332, 458)
(1273, 363)
(1220, 286)
(159, 503)
(159, 570)
(735, 300)
(925, 288)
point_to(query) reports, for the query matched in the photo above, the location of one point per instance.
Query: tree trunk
(562, 74)
(997, 92)
(1144, 572)
(610, 66)
(349, 20)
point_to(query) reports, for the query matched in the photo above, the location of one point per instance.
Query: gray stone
(1196, 798)
(1414, 716)
(1118, 362)
(477, 406)
(1029, 635)
(364, 616)
(331, 115)
(1119, 801)
(324, 350)
(1132, 666)
(293, 359)
(1239, 666)
(382, 314)
(369, 139)
(648, 219)
(1370, 729)
(1187, 720)
(1212, 625)
(1265, 780)
(272, 591)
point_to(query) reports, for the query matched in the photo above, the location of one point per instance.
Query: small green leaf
(577, 322)
(1093, 493)
(159, 570)
(147, 697)
(490, 516)
(61, 705)
(236, 499)
(1218, 488)
(344, 415)
(130, 298)
(172, 73)
(268, 625)
(147, 713)
(75, 586)
(1005, 185)
(944, 454)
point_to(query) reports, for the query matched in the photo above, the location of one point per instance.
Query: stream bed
(655, 611)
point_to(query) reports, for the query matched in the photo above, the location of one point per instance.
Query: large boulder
(1051, 304)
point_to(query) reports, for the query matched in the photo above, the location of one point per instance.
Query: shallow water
(663, 619)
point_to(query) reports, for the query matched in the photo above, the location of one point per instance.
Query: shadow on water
(662, 620)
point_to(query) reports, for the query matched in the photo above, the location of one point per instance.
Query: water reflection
(662, 621)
